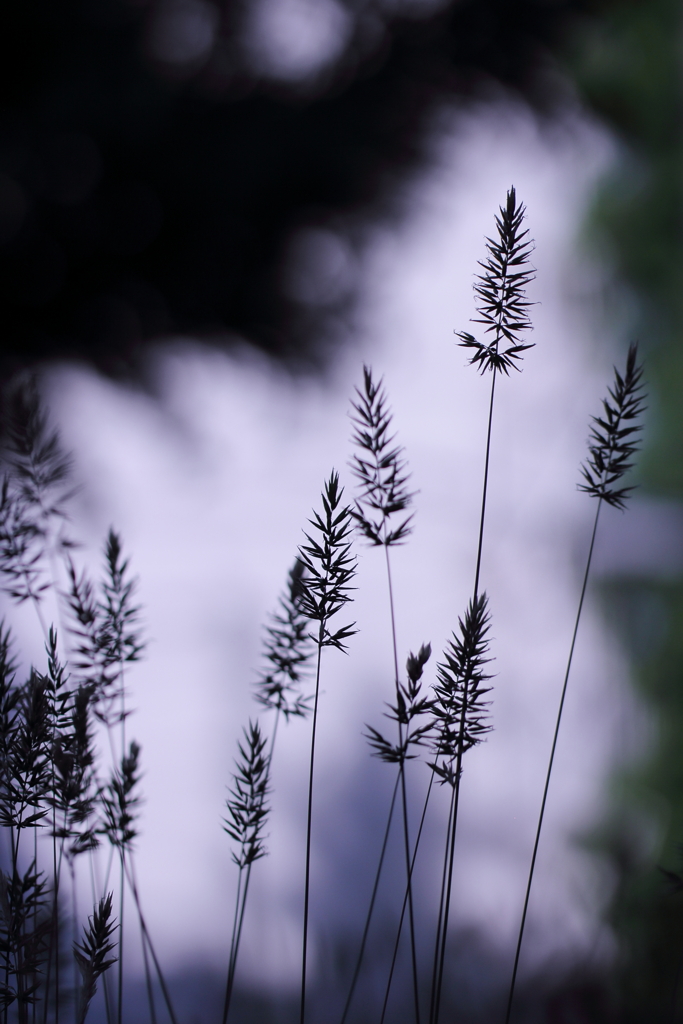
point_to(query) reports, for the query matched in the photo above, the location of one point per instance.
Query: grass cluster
(58, 804)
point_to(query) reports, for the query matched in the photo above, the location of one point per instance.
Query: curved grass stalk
(503, 312)
(381, 470)
(330, 568)
(612, 445)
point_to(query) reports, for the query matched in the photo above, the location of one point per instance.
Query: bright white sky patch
(211, 488)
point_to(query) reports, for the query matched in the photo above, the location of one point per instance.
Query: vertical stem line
(550, 765)
(233, 963)
(447, 903)
(404, 796)
(368, 919)
(119, 1011)
(228, 983)
(130, 877)
(485, 487)
(302, 1017)
(405, 899)
(442, 896)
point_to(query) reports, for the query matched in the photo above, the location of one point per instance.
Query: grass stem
(539, 826)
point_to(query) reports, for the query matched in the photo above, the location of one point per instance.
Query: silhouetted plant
(288, 651)
(500, 290)
(247, 815)
(326, 583)
(461, 721)
(50, 780)
(92, 954)
(381, 470)
(614, 440)
(48, 770)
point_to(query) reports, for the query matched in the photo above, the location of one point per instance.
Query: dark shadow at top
(157, 177)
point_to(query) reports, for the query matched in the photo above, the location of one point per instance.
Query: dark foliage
(75, 789)
(141, 197)
(24, 927)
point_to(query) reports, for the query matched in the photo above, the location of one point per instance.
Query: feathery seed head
(461, 717)
(380, 468)
(406, 711)
(416, 662)
(287, 649)
(329, 565)
(120, 801)
(502, 303)
(92, 954)
(614, 436)
(39, 465)
(246, 804)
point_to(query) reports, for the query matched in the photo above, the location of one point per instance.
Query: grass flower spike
(461, 721)
(326, 584)
(329, 566)
(461, 716)
(288, 649)
(247, 815)
(246, 805)
(500, 288)
(612, 446)
(380, 468)
(614, 436)
(92, 953)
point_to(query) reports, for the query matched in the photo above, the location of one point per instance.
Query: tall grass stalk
(461, 714)
(502, 308)
(329, 570)
(380, 467)
(612, 446)
(247, 815)
(288, 649)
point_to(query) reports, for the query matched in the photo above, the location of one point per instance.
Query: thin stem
(144, 941)
(447, 902)
(164, 989)
(308, 828)
(485, 486)
(119, 1010)
(123, 852)
(148, 979)
(241, 898)
(96, 893)
(404, 798)
(442, 895)
(405, 899)
(233, 937)
(74, 931)
(233, 965)
(368, 918)
(550, 764)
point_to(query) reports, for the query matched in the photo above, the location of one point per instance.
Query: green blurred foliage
(626, 57)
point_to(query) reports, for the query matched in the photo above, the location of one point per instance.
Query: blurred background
(211, 214)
